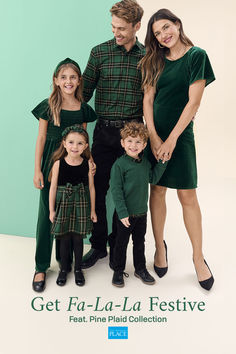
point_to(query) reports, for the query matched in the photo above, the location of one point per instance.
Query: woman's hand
(156, 143)
(166, 149)
(93, 216)
(38, 180)
(52, 215)
(92, 166)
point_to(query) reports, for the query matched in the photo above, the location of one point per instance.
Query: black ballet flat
(62, 277)
(39, 286)
(161, 271)
(207, 284)
(79, 277)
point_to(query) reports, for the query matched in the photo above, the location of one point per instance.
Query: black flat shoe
(145, 276)
(79, 278)
(207, 284)
(161, 271)
(92, 257)
(62, 277)
(39, 286)
(118, 278)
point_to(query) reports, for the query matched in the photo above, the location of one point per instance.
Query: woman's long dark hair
(152, 64)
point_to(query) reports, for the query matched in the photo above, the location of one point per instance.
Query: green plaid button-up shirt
(113, 72)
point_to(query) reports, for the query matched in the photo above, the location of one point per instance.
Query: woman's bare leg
(193, 223)
(158, 217)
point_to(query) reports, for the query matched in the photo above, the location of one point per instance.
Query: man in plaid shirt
(112, 70)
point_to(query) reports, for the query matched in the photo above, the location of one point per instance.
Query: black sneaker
(92, 257)
(118, 278)
(145, 276)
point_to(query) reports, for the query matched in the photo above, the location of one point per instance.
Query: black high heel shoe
(161, 271)
(207, 284)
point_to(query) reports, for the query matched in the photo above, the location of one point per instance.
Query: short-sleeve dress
(84, 115)
(172, 95)
(44, 237)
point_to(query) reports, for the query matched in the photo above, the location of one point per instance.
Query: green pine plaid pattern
(72, 210)
(113, 72)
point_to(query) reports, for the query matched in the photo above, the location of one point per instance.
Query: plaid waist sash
(68, 189)
(72, 210)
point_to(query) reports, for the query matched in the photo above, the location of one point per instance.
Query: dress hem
(169, 186)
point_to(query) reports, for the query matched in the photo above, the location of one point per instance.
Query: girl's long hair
(55, 99)
(152, 64)
(61, 151)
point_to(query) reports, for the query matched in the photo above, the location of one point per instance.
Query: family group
(146, 98)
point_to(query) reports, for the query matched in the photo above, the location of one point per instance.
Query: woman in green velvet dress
(175, 73)
(64, 108)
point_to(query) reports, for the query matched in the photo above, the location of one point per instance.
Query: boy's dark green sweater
(129, 184)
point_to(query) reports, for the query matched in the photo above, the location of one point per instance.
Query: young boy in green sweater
(130, 177)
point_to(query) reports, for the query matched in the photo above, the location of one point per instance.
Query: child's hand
(93, 216)
(92, 166)
(125, 222)
(38, 180)
(52, 216)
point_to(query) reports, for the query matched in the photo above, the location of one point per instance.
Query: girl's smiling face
(166, 32)
(68, 81)
(75, 144)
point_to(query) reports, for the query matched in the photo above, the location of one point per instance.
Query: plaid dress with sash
(72, 210)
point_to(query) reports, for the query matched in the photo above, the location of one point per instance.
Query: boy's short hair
(128, 10)
(134, 129)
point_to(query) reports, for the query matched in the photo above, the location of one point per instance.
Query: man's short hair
(128, 10)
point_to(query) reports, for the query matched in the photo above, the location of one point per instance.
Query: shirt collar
(133, 159)
(137, 45)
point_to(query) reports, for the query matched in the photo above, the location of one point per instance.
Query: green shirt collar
(137, 45)
(133, 159)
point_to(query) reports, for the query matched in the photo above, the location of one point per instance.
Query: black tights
(65, 250)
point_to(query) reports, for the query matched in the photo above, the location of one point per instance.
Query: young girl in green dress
(71, 190)
(65, 107)
(175, 73)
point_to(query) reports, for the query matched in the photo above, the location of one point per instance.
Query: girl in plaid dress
(72, 199)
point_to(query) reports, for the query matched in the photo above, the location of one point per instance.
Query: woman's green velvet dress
(172, 95)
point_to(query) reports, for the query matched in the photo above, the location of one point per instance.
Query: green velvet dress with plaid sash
(44, 239)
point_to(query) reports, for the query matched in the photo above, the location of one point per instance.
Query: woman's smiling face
(166, 32)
